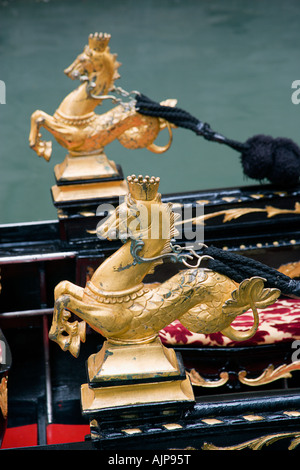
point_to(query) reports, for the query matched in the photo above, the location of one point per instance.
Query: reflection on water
(228, 63)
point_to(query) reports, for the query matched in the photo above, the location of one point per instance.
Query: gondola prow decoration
(133, 365)
(77, 127)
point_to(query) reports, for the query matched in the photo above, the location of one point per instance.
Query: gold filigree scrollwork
(199, 381)
(258, 443)
(232, 214)
(270, 374)
(3, 397)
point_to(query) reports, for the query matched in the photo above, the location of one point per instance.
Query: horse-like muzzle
(78, 67)
(113, 233)
(73, 71)
(117, 226)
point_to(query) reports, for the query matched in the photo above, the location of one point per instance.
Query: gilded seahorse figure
(77, 127)
(120, 306)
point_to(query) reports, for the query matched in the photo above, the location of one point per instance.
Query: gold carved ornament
(116, 303)
(3, 397)
(84, 133)
(255, 444)
(130, 314)
(232, 214)
(258, 443)
(270, 374)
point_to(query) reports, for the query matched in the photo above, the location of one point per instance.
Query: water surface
(229, 63)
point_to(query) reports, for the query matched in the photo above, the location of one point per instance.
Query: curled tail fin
(251, 294)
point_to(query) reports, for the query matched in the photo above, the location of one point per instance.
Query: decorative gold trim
(211, 421)
(75, 120)
(3, 397)
(231, 214)
(132, 431)
(172, 426)
(258, 443)
(292, 413)
(199, 381)
(270, 374)
(253, 417)
(115, 297)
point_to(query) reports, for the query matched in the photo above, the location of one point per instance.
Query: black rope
(239, 267)
(262, 156)
(181, 118)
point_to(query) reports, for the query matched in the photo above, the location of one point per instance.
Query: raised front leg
(41, 147)
(66, 334)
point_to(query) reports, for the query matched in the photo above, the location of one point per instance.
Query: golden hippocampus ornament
(130, 314)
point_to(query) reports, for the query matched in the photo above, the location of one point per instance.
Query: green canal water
(229, 63)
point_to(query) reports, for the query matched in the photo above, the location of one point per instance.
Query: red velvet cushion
(279, 322)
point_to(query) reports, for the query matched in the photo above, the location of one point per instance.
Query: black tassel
(277, 160)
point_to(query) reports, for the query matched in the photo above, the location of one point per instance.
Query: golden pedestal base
(103, 398)
(115, 363)
(86, 192)
(135, 380)
(87, 167)
(86, 178)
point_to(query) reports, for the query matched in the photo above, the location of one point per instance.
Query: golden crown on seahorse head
(99, 41)
(143, 188)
